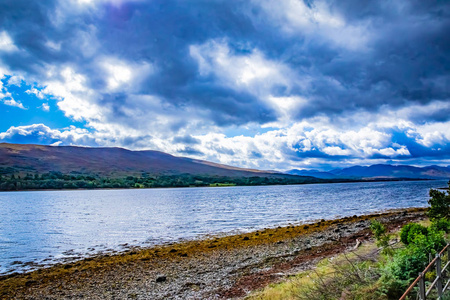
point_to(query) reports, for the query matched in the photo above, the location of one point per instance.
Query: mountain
(380, 171)
(313, 173)
(111, 162)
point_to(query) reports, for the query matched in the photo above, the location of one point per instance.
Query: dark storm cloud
(405, 59)
(411, 54)
(32, 24)
(401, 59)
(158, 32)
(161, 32)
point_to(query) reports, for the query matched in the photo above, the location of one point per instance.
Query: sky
(275, 85)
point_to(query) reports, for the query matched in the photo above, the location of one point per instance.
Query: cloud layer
(272, 85)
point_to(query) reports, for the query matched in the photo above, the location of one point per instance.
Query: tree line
(58, 180)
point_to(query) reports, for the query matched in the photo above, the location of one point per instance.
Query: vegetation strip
(60, 181)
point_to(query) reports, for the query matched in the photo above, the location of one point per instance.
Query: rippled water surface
(49, 226)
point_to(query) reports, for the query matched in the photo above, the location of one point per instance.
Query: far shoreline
(231, 186)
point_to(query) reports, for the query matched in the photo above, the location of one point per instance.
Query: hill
(380, 171)
(111, 162)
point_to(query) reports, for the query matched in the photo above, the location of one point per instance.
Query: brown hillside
(26, 158)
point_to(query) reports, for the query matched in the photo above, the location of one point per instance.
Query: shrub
(380, 233)
(402, 269)
(432, 243)
(408, 262)
(441, 225)
(410, 231)
(440, 204)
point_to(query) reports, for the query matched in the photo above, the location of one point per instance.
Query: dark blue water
(49, 226)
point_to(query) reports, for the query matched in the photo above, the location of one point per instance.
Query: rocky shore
(215, 268)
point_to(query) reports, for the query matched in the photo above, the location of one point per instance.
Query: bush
(441, 225)
(380, 233)
(406, 263)
(440, 204)
(432, 243)
(402, 269)
(410, 231)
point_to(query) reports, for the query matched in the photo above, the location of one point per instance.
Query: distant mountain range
(379, 172)
(21, 159)
(112, 162)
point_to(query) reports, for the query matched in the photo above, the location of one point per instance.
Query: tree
(440, 204)
(381, 235)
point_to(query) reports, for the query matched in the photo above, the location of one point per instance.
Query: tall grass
(348, 276)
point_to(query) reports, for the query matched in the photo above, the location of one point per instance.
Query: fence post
(448, 253)
(422, 291)
(439, 275)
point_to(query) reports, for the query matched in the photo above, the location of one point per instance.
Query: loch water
(40, 228)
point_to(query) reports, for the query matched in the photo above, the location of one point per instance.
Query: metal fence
(438, 286)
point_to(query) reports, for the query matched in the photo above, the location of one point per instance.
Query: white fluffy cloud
(6, 43)
(272, 85)
(6, 97)
(39, 133)
(300, 146)
(303, 145)
(45, 107)
(247, 71)
(123, 76)
(12, 102)
(76, 100)
(250, 72)
(36, 92)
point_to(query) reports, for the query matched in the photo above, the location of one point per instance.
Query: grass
(333, 278)
(221, 184)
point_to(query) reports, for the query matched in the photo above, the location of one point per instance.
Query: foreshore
(214, 268)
